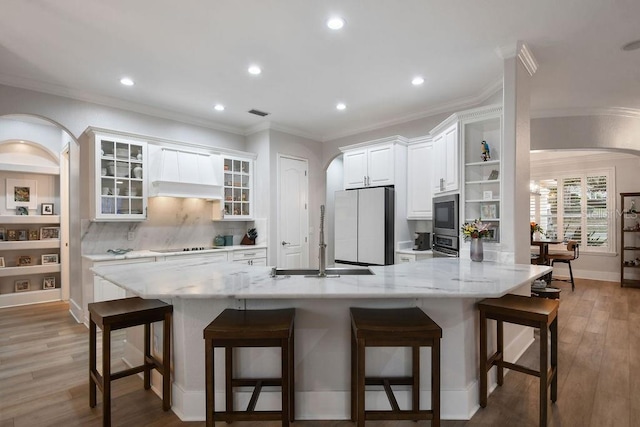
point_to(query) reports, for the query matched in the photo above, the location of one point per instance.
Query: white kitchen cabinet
(371, 166)
(104, 290)
(445, 160)
(250, 256)
(118, 176)
(420, 160)
(238, 194)
(412, 256)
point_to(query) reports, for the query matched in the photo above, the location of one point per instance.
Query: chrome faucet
(322, 256)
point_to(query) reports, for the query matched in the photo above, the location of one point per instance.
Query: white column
(519, 67)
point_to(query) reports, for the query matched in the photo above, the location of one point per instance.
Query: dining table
(543, 253)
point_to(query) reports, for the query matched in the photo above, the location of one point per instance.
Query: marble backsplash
(172, 223)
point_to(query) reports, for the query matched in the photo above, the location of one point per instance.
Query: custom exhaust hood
(178, 173)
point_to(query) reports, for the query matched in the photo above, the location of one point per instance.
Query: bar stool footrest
(399, 415)
(230, 416)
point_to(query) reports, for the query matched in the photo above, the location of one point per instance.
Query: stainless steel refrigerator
(364, 226)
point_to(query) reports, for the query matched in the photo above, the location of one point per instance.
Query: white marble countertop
(148, 253)
(436, 277)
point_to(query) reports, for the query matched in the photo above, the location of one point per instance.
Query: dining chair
(572, 253)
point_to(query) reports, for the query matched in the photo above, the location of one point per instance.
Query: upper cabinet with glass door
(120, 179)
(237, 203)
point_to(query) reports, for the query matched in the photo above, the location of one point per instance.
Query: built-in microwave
(445, 215)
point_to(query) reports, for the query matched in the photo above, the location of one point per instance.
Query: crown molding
(268, 125)
(386, 140)
(595, 111)
(107, 101)
(167, 142)
(522, 51)
(489, 90)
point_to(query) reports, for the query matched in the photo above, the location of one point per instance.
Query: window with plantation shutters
(576, 206)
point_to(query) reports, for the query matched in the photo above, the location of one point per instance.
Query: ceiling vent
(258, 112)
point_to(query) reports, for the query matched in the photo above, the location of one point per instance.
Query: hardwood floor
(44, 371)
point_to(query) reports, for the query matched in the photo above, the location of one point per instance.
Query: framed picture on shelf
(487, 195)
(49, 233)
(46, 209)
(22, 285)
(49, 259)
(493, 234)
(2, 235)
(24, 260)
(49, 282)
(489, 211)
(493, 175)
(1, 261)
(22, 210)
(34, 235)
(23, 235)
(12, 234)
(21, 192)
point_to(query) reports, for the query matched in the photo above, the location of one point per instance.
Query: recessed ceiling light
(219, 107)
(335, 23)
(417, 81)
(632, 45)
(254, 69)
(126, 81)
(341, 106)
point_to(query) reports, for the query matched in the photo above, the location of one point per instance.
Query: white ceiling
(186, 56)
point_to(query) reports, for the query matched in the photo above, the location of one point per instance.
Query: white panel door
(355, 168)
(380, 168)
(419, 181)
(293, 217)
(346, 226)
(371, 231)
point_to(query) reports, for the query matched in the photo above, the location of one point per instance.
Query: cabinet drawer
(208, 257)
(244, 254)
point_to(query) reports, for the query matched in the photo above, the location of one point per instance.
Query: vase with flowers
(475, 231)
(535, 228)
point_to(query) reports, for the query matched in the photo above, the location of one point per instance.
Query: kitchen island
(447, 289)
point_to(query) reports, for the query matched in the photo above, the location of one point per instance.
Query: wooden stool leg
(500, 344)
(544, 373)
(554, 358)
(354, 378)
(92, 362)
(208, 369)
(147, 356)
(228, 378)
(361, 381)
(284, 389)
(415, 388)
(435, 382)
(292, 382)
(483, 359)
(106, 375)
(166, 362)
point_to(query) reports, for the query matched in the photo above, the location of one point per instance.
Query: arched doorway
(36, 160)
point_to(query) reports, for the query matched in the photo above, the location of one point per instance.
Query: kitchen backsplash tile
(171, 223)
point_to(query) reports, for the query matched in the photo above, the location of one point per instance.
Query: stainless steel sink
(314, 272)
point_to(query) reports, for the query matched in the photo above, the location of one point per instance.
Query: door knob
(285, 243)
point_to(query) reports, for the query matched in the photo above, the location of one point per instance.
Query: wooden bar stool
(124, 313)
(539, 313)
(398, 327)
(250, 328)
